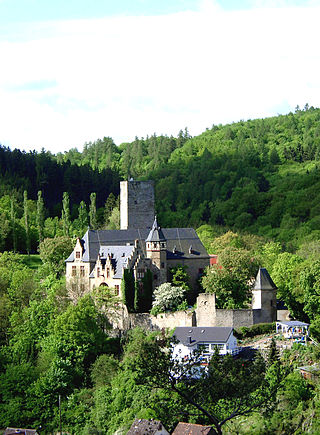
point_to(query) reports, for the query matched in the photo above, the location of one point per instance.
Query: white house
(205, 339)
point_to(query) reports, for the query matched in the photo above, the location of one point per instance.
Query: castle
(101, 256)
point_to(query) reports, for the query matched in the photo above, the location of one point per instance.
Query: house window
(82, 288)
(204, 347)
(140, 273)
(82, 271)
(116, 290)
(77, 254)
(74, 270)
(154, 245)
(98, 272)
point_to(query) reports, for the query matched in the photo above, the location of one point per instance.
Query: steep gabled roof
(190, 336)
(119, 256)
(263, 281)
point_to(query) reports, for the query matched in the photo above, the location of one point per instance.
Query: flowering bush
(167, 297)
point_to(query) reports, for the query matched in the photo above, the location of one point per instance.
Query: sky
(73, 71)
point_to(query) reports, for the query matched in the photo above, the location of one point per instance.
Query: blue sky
(75, 71)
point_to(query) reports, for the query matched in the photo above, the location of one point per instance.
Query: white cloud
(127, 76)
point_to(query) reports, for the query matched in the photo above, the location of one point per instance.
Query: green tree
(40, 216)
(128, 289)
(66, 214)
(54, 252)
(83, 217)
(93, 212)
(229, 388)
(13, 224)
(230, 279)
(26, 220)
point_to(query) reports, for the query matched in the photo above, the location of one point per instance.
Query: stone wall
(162, 321)
(234, 318)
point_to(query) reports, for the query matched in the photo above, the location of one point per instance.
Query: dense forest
(251, 189)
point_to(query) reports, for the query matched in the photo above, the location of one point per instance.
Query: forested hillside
(252, 191)
(260, 176)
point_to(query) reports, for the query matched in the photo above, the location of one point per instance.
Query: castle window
(78, 254)
(74, 270)
(82, 288)
(98, 272)
(82, 271)
(116, 290)
(162, 265)
(154, 245)
(108, 272)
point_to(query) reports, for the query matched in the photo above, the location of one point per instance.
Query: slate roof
(179, 241)
(119, 255)
(192, 429)
(263, 281)
(202, 334)
(145, 427)
(156, 234)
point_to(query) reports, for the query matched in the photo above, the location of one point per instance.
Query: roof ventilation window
(202, 331)
(190, 249)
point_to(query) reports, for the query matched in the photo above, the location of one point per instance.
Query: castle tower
(136, 204)
(264, 296)
(156, 247)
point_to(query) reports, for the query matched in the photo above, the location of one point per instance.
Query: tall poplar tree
(26, 220)
(40, 216)
(13, 224)
(83, 217)
(66, 214)
(93, 211)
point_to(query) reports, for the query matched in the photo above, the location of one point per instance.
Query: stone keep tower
(136, 204)
(264, 296)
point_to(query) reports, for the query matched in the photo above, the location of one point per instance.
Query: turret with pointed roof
(264, 296)
(156, 247)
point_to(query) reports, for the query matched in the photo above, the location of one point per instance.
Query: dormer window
(78, 255)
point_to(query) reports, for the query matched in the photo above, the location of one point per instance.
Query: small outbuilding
(292, 329)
